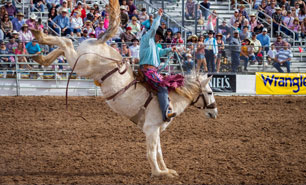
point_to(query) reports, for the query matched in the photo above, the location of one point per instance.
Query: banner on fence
(281, 83)
(223, 83)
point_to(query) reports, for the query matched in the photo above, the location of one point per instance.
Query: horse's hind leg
(46, 60)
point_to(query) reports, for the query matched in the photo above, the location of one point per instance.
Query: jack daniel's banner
(223, 83)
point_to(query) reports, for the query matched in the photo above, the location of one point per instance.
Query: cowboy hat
(33, 16)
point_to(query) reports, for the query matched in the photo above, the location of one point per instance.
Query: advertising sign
(223, 83)
(281, 83)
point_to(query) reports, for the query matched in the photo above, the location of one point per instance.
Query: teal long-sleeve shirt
(149, 52)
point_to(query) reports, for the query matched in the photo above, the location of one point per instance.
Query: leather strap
(148, 100)
(112, 72)
(122, 90)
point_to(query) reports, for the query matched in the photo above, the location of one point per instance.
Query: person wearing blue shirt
(18, 21)
(264, 40)
(62, 22)
(33, 47)
(150, 55)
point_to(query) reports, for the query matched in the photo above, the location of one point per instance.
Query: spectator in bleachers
(100, 29)
(295, 10)
(283, 10)
(245, 33)
(257, 4)
(88, 26)
(81, 8)
(243, 12)
(253, 22)
(147, 23)
(76, 24)
(235, 44)
(168, 36)
(270, 9)
(190, 10)
(114, 45)
(84, 36)
(18, 21)
(259, 27)
(235, 17)
(127, 36)
(177, 39)
(264, 40)
(143, 15)
(205, 7)
(257, 48)
(4, 51)
(134, 14)
(211, 51)
(106, 10)
(3, 12)
(135, 51)
(95, 22)
(31, 22)
(10, 9)
(52, 14)
(11, 45)
(296, 28)
(53, 3)
(39, 25)
(188, 64)
(132, 7)
(135, 26)
(200, 57)
(244, 53)
(124, 4)
(33, 47)
(164, 27)
(90, 15)
(96, 6)
(221, 51)
(25, 34)
(262, 8)
(285, 4)
(64, 5)
(92, 35)
(201, 38)
(6, 26)
(301, 14)
(212, 21)
(62, 23)
(271, 54)
(283, 58)
(37, 4)
(234, 28)
(280, 43)
(287, 22)
(125, 52)
(124, 16)
(106, 21)
(192, 39)
(21, 50)
(277, 18)
(225, 31)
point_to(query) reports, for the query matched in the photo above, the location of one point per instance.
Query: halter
(201, 96)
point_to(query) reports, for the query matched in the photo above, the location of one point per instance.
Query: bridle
(201, 96)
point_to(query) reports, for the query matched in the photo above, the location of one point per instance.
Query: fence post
(196, 19)
(17, 76)
(163, 4)
(183, 15)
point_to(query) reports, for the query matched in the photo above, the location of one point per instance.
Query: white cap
(265, 29)
(189, 55)
(64, 10)
(122, 7)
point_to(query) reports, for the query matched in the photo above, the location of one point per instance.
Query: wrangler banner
(281, 83)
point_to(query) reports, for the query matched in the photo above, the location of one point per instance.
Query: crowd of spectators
(246, 35)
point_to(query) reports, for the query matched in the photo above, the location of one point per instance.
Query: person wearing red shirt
(80, 9)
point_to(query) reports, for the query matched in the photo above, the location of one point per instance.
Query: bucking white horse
(96, 60)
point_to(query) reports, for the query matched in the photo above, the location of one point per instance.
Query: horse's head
(206, 100)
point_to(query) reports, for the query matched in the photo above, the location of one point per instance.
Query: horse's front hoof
(173, 172)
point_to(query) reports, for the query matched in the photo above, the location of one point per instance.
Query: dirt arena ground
(254, 140)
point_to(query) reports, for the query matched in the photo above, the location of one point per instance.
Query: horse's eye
(209, 93)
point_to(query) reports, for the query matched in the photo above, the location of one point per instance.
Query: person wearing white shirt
(135, 51)
(76, 23)
(271, 54)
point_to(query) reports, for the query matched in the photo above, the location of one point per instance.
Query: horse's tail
(114, 21)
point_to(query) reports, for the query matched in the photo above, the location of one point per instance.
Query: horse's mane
(190, 88)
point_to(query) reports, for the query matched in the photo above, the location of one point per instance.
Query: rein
(103, 78)
(201, 96)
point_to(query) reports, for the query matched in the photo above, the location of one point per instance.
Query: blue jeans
(205, 14)
(246, 60)
(235, 55)
(278, 66)
(210, 59)
(40, 7)
(67, 31)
